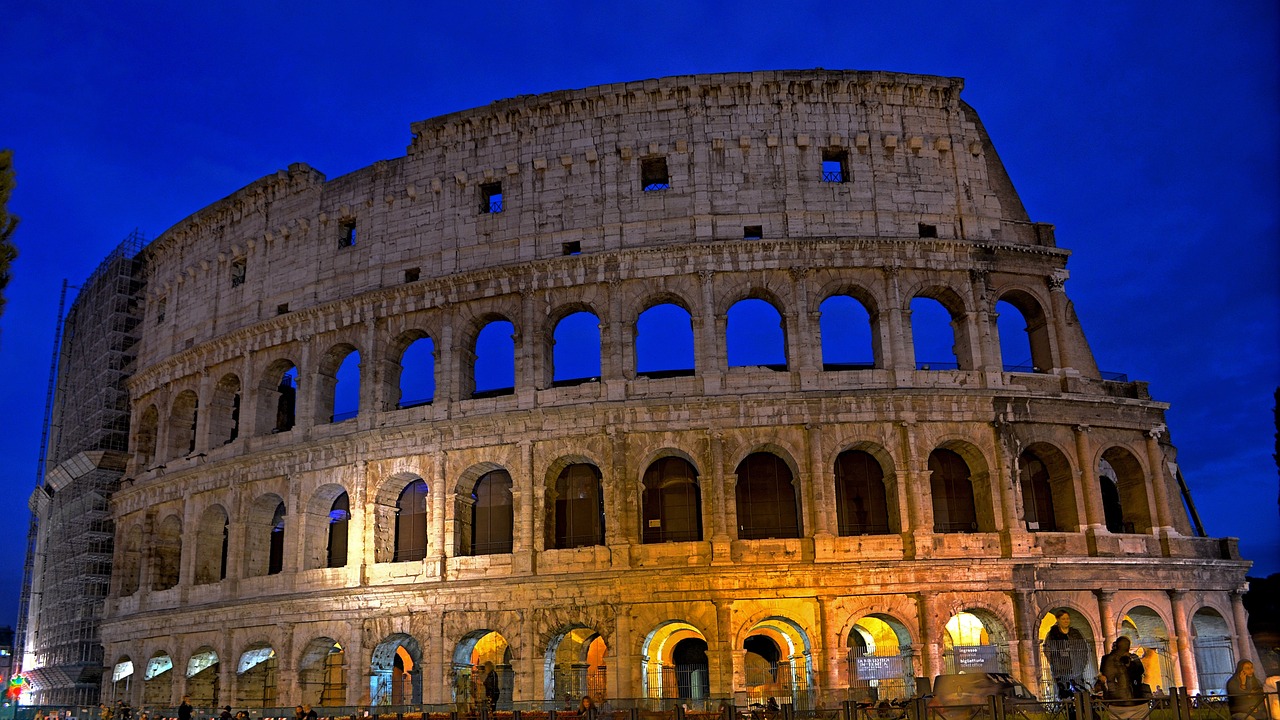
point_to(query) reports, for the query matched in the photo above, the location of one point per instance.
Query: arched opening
(881, 660)
(1069, 650)
(256, 677)
(574, 665)
(322, 673)
(145, 440)
(755, 335)
(346, 388)
(487, 516)
(664, 342)
(278, 398)
(862, 506)
(1149, 640)
(674, 663)
(122, 679)
(166, 553)
(1045, 478)
(1024, 333)
(224, 411)
(395, 672)
(495, 360)
(1214, 651)
(336, 543)
(326, 517)
(157, 681)
(1124, 492)
(211, 546)
(766, 498)
(975, 641)
(130, 571)
(934, 335)
(264, 537)
(778, 664)
(952, 488)
(203, 685)
(182, 424)
(417, 373)
(672, 503)
(482, 672)
(411, 523)
(575, 505)
(848, 338)
(575, 352)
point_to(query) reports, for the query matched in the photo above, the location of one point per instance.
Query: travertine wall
(742, 151)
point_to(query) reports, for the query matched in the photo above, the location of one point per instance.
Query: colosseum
(629, 391)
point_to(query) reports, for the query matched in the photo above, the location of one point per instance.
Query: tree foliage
(8, 222)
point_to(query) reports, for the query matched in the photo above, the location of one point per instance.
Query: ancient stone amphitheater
(623, 390)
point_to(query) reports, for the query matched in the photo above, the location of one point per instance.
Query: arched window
(130, 572)
(766, 499)
(166, 553)
(664, 342)
(575, 355)
(848, 342)
(1124, 492)
(953, 504)
(411, 522)
(861, 507)
(278, 398)
(346, 390)
(672, 502)
(339, 518)
(275, 563)
(1037, 494)
(148, 427)
(224, 411)
(495, 365)
(755, 335)
(933, 335)
(182, 424)
(492, 514)
(418, 373)
(1024, 333)
(579, 508)
(1112, 512)
(211, 546)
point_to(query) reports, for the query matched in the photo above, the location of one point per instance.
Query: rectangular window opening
(571, 248)
(282, 308)
(752, 232)
(491, 197)
(653, 174)
(238, 267)
(412, 275)
(835, 166)
(928, 231)
(347, 234)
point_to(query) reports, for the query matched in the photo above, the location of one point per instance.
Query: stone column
(709, 342)
(720, 655)
(896, 325)
(529, 353)
(204, 396)
(1186, 655)
(626, 662)
(1092, 494)
(719, 490)
(1240, 631)
(823, 511)
(804, 349)
(1162, 517)
(1024, 606)
(439, 538)
(371, 376)
(1058, 299)
(931, 655)
(826, 656)
(524, 490)
(357, 667)
(288, 689)
(1106, 615)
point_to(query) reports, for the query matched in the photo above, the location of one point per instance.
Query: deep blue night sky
(1147, 132)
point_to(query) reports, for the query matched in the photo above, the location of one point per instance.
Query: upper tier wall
(741, 151)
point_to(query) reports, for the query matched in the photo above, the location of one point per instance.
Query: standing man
(1068, 656)
(184, 710)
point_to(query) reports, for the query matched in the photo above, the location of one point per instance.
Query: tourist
(184, 710)
(1068, 654)
(587, 708)
(226, 713)
(1121, 674)
(1244, 693)
(308, 713)
(491, 691)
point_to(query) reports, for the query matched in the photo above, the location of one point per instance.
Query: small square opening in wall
(282, 308)
(412, 275)
(835, 165)
(571, 248)
(238, 267)
(928, 231)
(347, 233)
(752, 232)
(491, 197)
(653, 174)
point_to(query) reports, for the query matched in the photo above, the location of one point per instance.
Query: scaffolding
(83, 459)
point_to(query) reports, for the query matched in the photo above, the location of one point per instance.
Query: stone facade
(818, 511)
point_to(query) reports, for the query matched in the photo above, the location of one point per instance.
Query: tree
(8, 222)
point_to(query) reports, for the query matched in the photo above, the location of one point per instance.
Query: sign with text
(872, 667)
(976, 658)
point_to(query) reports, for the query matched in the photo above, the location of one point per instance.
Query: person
(104, 712)
(308, 713)
(226, 713)
(1121, 674)
(299, 713)
(1068, 654)
(477, 689)
(587, 708)
(1244, 693)
(184, 710)
(491, 691)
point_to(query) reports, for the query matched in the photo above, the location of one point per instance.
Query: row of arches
(939, 330)
(879, 656)
(765, 498)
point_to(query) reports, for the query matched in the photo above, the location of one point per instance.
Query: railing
(491, 205)
(657, 186)
(1114, 376)
(833, 176)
